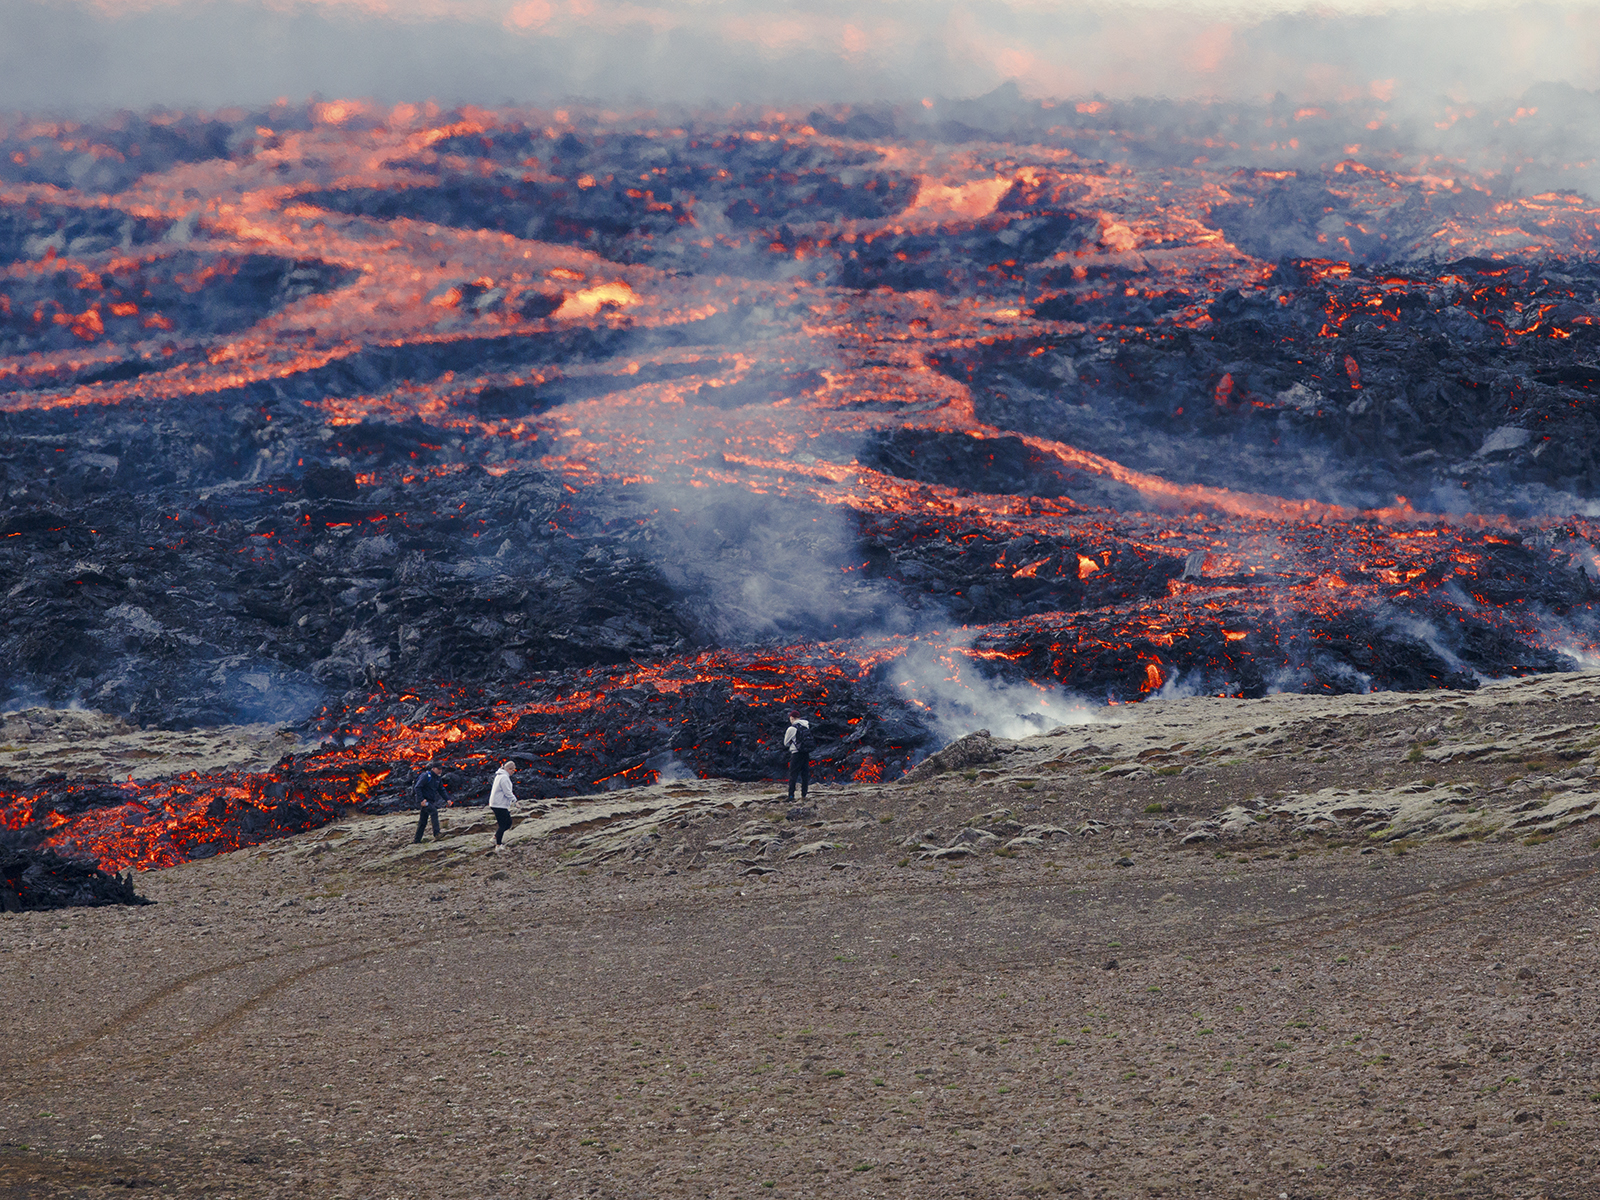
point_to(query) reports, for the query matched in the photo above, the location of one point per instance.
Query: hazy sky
(88, 54)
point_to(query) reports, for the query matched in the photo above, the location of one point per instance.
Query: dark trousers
(428, 810)
(502, 822)
(799, 769)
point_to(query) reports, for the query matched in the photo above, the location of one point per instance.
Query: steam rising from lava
(600, 440)
(942, 674)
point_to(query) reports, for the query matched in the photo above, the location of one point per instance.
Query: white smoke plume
(939, 675)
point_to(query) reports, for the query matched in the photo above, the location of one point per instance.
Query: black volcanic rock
(58, 309)
(975, 749)
(31, 231)
(1004, 465)
(33, 880)
(1349, 387)
(329, 483)
(109, 156)
(641, 199)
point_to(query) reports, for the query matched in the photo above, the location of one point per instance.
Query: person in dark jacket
(430, 799)
(797, 741)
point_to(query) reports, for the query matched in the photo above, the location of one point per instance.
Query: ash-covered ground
(1321, 947)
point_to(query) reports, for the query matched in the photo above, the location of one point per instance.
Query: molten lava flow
(950, 377)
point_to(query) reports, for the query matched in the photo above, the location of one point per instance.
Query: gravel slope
(693, 990)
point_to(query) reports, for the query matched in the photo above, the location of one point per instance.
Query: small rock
(1124, 861)
(969, 751)
(810, 848)
(974, 837)
(960, 850)
(1111, 964)
(1524, 973)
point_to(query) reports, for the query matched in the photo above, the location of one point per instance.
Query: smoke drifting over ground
(768, 569)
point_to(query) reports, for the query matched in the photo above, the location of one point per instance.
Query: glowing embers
(718, 713)
(1474, 300)
(966, 201)
(870, 771)
(1342, 608)
(132, 302)
(168, 822)
(141, 298)
(586, 302)
(1181, 644)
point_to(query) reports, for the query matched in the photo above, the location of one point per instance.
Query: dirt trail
(1154, 958)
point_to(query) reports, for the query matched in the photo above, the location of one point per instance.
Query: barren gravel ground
(1376, 990)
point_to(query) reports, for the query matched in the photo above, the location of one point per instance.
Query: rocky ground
(1300, 946)
(38, 743)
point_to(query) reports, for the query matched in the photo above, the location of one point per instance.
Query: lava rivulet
(601, 441)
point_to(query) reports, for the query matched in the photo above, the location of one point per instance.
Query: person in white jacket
(501, 798)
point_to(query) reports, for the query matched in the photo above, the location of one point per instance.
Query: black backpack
(803, 741)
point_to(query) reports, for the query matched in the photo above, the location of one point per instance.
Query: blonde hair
(510, 764)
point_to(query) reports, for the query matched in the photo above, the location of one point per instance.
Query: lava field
(599, 441)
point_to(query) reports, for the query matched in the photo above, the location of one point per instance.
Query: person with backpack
(798, 740)
(430, 798)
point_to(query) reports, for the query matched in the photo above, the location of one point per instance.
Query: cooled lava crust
(600, 442)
